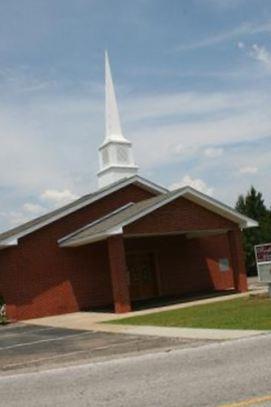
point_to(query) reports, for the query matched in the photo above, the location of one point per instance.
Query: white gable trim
(186, 192)
(8, 243)
(137, 180)
(219, 208)
(92, 239)
(95, 222)
(213, 206)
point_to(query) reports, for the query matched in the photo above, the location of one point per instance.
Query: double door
(141, 275)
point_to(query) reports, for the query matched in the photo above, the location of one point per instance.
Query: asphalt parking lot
(31, 347)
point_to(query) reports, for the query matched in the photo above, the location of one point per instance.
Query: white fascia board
(219, 208)
(143, 213)
(181, 192)
(133, 180)
(186, 192)
(92, 239)
(95, 222)
(251, 223)
(223, 210)
(8, 243)
(151, 186)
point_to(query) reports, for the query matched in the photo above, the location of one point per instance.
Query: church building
(131, 240)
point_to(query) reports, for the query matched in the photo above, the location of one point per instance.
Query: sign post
(263, 260)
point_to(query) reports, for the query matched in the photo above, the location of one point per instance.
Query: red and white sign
(263, 253)
(263, 259)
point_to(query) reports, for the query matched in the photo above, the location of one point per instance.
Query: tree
(253, 206)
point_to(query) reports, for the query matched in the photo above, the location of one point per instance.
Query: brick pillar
(118, 271)
(238, 262)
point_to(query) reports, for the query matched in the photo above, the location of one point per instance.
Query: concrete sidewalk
(182, 333)
(84, 320)
(93, 321)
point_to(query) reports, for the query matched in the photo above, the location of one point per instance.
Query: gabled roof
(11, 236)
(113, 223)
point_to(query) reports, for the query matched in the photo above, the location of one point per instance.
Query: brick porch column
(238, 262)
(118, 272)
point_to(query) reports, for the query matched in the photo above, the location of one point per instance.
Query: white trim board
(137, 180)
(186, 192)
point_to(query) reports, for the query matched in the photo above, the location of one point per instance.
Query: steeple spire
(112, 119)
(116, 157)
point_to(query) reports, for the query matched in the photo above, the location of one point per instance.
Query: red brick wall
(38, 278)
(180, 214)
(118, 271)
(210, 250)
(9, 278)
(186, 266)
(236, 247)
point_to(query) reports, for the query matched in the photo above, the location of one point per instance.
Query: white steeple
(112, 119)
(116, 158)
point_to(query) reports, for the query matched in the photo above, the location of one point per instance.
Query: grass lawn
(241, 313)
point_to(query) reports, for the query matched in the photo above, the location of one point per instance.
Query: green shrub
(3, 313)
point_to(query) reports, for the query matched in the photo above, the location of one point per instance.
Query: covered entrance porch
(177, 243)
(173, 266)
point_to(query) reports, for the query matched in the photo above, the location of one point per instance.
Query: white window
(122, 155)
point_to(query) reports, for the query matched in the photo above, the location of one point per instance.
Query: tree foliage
(253, 206)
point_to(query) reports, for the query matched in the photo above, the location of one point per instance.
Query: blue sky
(193, 81)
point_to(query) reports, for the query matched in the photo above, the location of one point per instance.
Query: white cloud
(258, 53)
(240, 45)
(32, 208)
(178, 149)
(16, 218)
(224, 174)
(175, 105)
(261, 54)
(248, 125)
(248, 170)
(28, 211)
(195, 183)
(213, 152)
(53, 140)
(57, 197)
(244, 29)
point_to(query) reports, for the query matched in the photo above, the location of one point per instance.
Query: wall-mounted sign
(263, 260)
(224, 264)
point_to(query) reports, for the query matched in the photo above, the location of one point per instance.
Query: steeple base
(113, 174)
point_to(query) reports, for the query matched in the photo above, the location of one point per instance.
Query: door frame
(154, 254)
